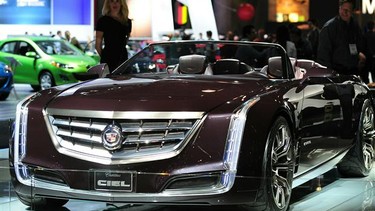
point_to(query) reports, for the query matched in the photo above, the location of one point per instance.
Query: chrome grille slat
(156, 138)
(87, 137)
(79, 124)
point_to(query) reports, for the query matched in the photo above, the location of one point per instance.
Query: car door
(324, 124)
(14, 54)
(25, 72)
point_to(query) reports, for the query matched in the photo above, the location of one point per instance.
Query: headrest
(193, 64)
(226, 66)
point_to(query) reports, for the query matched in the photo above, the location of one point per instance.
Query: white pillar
(162, 18)
(202, 17)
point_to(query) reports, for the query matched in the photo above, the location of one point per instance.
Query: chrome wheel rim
(45, 82)
(368, 133)
(282, 165)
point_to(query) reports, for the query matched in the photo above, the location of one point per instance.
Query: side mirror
(98, 71)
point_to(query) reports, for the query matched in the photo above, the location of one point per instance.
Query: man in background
(369, 67)
(73, 40)
(341, 42)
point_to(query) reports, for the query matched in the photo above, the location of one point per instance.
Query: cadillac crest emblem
(112, 137)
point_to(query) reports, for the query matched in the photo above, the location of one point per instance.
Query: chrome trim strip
(125, 114)
(319, 170)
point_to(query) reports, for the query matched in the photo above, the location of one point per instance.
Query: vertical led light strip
(234, 140)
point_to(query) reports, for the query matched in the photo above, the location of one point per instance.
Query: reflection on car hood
(170, 93)
(77, 59)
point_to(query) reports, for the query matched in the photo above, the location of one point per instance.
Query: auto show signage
(31, 12)
(368, 6)
(25, 11)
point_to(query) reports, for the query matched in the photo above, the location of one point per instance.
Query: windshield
(194, 56)
(57, 47)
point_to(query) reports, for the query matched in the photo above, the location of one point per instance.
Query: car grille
(143, 139)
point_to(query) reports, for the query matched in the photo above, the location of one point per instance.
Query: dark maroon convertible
(175, 124)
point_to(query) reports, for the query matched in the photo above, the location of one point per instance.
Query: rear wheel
(46, 80)
(278, 165)
(359, 160)
(39, 202)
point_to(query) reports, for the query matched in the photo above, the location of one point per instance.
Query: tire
(42, 203)
(46, 80)
(4, 96)
(278, 166)
(358, 161)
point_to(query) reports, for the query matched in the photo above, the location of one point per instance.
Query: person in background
(261, 34)
(209, 35)
(248, 54)
(229, 35)
(341, 42)
(303, 46)
(210, 48)
(369, 67)
(313, 36)
(73, 40)
(283, 38)
(200, 36)
(113, 30)
(59, 35)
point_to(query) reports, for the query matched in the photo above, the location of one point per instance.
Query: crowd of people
(340, 44)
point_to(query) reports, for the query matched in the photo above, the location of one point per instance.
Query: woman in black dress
(113, 30)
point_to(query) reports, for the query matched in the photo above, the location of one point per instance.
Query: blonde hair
(124, 10)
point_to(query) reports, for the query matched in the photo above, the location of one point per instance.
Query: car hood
(76, 59)
(155, 94)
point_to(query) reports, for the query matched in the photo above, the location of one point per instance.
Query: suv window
(8, 47)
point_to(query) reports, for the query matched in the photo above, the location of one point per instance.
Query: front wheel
(278, 165)
(358, 161)
(46, 80)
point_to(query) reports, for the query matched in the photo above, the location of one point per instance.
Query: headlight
(62, 66)
(234, 139)
(7, 69)
(20, 138)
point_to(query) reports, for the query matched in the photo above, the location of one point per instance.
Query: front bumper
(200, 189)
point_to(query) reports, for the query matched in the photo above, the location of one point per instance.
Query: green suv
(43, 62)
